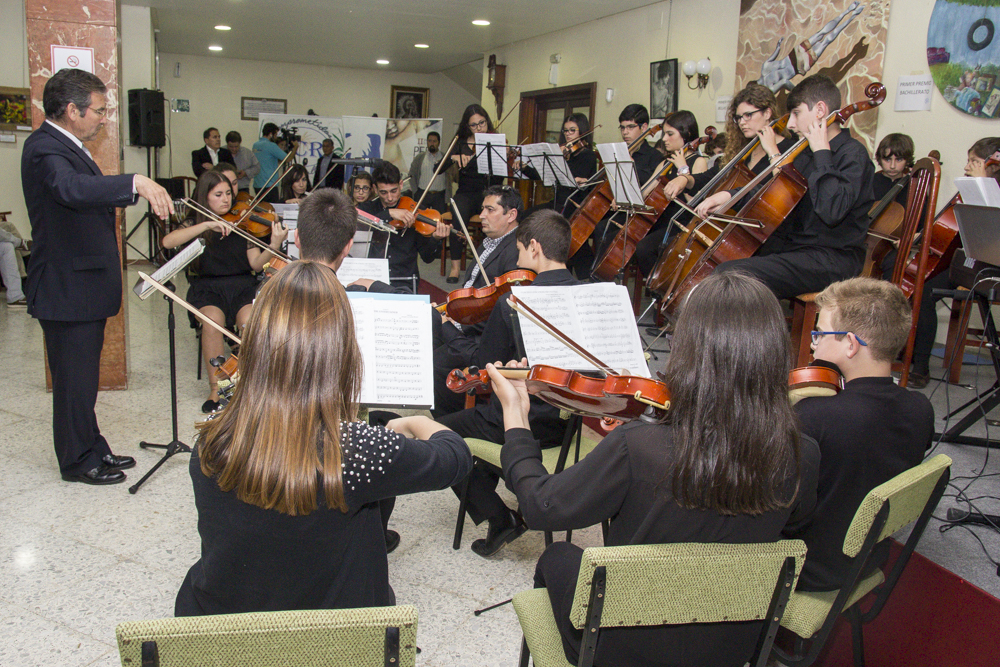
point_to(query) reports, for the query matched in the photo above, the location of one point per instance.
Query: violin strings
(249, 237)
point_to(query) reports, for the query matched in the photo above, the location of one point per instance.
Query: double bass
(766, 209)
(598, 202)
(619, 252)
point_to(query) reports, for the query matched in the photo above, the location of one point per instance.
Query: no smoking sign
(75, 57)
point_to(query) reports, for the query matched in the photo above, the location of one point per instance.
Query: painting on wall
(662, 88)
(963, 54)
(15, 109)
(407, 102)
(783, 41)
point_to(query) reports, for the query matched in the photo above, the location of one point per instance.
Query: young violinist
(295, 184)
(727, 465)
(543, 240)
(471, 183)
(406, 245)
(822, 239)
(863, 323)
(455, 345)
(575, 141)
(286, 478)
(927, 322)
(679, 129)
(360, 187)
(222, 280)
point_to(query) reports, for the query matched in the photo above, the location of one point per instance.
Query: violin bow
(191, 309)
(436, 172)
(523, 309)
(249, 237)
(260, 195)
(468, 239)
(497, 128)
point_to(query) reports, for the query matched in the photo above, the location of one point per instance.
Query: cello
(619, 252)
(766, 209)
(598, 202)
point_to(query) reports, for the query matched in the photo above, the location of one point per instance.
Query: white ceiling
(355, 33)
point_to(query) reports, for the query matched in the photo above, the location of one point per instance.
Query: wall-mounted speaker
(146, 122)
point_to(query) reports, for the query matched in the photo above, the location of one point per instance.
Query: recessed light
(214, 48)
(480, 22)
(382, 62)
(222, 27)
(422, 46)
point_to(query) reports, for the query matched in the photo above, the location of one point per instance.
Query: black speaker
(146, 124)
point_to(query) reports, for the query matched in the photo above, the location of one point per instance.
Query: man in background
(422, 169)
(247, 166)
(210, 154)
(326, 177)
(269, 155)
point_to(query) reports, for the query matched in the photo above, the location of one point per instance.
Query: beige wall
(14, 73)
(137, 71)
(214, 87)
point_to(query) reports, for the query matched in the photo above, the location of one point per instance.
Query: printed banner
(405, 138)
(364, 136)
(313, 130)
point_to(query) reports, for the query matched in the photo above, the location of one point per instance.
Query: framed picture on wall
(662, 88)
(15, 109)
(406, 102)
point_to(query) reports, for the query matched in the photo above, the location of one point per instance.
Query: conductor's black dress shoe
(118, 462)
(99, 475)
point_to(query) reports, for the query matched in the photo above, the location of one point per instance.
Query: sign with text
(913, 93)
(312, 130)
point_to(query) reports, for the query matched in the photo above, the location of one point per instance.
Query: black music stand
(625, 204)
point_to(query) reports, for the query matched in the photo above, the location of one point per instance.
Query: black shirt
(626, 479)
(881, 184)
(469, 179)
(702, 179)
(404, 246)
(646, 159)
(254, 559)
(870, 432)
(223, 256)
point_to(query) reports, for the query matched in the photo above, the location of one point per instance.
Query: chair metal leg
(548, 538)
(525, 653)
(460, 522)
(858, 635)
(198, 360)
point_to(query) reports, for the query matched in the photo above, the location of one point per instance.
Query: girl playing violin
(286, 478)
(295, 184)
(575, 141)
(223, 283)
(728, 465)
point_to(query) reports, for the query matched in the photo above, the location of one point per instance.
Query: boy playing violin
(862, 325)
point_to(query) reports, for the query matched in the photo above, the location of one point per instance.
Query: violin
(571, 148)
(822, 377)
(425, 220)
(471, 305)
(253, 219)
(619, 397)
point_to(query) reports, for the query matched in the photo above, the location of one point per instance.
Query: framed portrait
(252, 107)
(990, 108)
(406, 102)
(662, 88)
(15, 109)
(984, 83)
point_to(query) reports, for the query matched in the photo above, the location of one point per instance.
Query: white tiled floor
(76, 560)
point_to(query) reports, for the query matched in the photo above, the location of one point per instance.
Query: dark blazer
(335, 179)
(201, 156)
(500, 261)
(76, 272)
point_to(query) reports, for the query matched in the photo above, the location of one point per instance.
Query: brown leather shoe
(917, 381)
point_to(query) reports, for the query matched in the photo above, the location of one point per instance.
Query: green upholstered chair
(665, 584)
(554, 459)
(904, 499)
(375, 637)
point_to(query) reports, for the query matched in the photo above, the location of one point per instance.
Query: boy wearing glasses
(822, 239)
(870, 432)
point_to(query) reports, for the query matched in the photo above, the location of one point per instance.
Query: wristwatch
(684, 171)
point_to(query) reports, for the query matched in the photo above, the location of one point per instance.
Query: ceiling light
(480, 22)
(382, 62)
(422, 46)
(214, 48)
(222, 27)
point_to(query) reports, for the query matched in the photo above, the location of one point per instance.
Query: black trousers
(74, 350)
(791, 271)
(482, 502)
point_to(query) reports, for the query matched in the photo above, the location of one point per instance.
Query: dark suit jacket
(76, 272)
(201, 156)
(335, 179)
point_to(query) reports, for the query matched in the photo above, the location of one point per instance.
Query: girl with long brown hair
(286, 478)
(728, 465)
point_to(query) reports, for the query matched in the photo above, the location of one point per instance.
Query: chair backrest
(661, 584)
(921, 202)
(907, 495)
(341, 637)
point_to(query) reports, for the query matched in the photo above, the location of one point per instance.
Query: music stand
(148, 215)
(496, 161)
(143, 290)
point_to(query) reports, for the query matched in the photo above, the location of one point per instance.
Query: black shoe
(113, 462)
(210, 406)
(100, 475)
(391, 541)
(451, 279)
(917, 381)
(654, 331)
(501, 533)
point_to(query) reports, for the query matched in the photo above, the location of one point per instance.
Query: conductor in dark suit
(211, 153)
(75, 277)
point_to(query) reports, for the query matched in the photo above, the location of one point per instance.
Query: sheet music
(554, 168)
(356, 267)
(495, 155)
(143, 289)
(394, 334)
(622, 177)
(980, 191)
(597, 316)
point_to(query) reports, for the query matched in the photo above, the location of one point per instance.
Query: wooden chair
(665, 584)
(907, 498)
(375, 637)
(921, 204)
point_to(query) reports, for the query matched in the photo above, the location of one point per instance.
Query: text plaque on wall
(252, 107)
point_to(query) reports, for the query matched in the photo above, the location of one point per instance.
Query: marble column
(93, 24)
